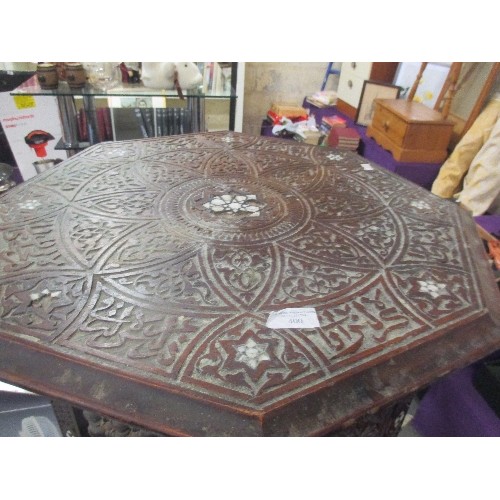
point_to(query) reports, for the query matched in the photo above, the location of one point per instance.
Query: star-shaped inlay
(252, 353)
(432, 288)
(333, 156)
(421, 205)
(234, 204)
(29, 204)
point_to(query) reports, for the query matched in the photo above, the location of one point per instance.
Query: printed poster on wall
(33, 128)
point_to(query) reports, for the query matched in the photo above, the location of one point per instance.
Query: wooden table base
(385, 422)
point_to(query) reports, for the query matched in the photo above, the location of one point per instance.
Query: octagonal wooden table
(138, 279)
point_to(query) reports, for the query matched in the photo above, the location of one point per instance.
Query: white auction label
(366, 166)
(300, 317)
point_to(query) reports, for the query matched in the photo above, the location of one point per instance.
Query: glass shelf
(77, 146)
(32, 87)
(91, 114)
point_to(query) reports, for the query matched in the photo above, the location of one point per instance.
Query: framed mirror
(475, 83)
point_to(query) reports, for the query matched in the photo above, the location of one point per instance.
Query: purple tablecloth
(453, 408)
(490, 223)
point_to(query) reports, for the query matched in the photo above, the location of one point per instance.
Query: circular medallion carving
(236, 209)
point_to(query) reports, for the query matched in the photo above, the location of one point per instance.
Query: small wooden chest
(411, 131)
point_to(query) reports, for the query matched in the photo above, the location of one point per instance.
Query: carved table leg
(385, 422)
(100, 426)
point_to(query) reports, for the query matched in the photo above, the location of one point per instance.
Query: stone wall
(286, 83)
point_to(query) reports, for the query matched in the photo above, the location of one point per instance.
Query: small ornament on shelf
(75, 75)
(47, 76)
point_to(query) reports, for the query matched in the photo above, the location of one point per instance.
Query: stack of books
(329, 122)
(323, 99)
(138, 122)
(344, 138)
(310, 137)
(279, 111)
(100, 131)
(172, 121)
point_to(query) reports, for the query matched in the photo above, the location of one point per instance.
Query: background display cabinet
(90, 115)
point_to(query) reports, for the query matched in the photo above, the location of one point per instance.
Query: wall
(217, 114)
(17, 66)
(286, 83)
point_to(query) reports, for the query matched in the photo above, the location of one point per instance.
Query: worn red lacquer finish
(137, 277)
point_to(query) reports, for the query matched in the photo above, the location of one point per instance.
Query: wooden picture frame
(372, 90)
(473, 88)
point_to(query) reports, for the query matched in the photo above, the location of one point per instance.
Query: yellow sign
(24, 101)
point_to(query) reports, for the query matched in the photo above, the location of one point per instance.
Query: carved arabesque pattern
(143, 276)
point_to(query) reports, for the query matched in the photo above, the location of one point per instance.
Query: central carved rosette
(236, 210)
(235, 204)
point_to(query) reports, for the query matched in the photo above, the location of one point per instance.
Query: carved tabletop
(137, 279)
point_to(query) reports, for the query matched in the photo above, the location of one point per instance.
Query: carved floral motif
(121, 254)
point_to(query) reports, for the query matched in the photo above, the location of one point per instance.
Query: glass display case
(90, 115)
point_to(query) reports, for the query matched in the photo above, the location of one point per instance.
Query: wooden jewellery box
(411, 131)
